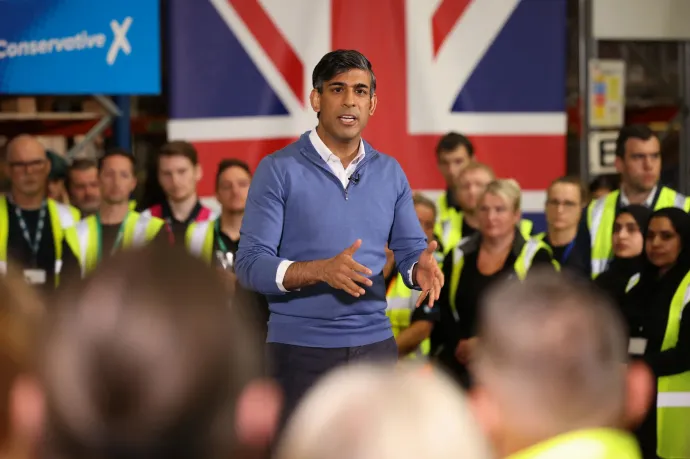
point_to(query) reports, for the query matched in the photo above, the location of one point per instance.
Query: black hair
(117, 152)
(340, 61)
(634, 131)
(451, 142)
(609, 182)
(226, 164)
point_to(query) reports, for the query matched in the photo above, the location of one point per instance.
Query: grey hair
(553, 345)
(340, 61)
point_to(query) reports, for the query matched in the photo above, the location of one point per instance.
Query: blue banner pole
(122, 128)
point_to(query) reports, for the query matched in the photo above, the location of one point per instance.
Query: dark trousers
(297, 368)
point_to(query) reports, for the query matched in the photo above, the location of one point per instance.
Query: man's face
(233, 186)
(29, 167)
(640, 166)
(345, 104)
(178, 177)
(84, 189)
(470, 187)
(563, 206)
(427, 218)
(451, 163)
(117, 180)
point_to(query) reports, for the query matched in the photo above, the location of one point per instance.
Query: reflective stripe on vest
(138, 231)
(673, 399)
(199, 240)
(61, 217)
(632, 282)
(601, 215)
(522, 265)
(401, 305)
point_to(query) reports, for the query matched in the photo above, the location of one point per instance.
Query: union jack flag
(240, 77)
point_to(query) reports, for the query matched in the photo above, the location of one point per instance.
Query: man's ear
(258, 412)
(27, 408)
(198, 172)
(315, 100)
(639, 393)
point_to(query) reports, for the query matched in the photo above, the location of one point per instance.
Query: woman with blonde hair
(498, 251)
(21, 407)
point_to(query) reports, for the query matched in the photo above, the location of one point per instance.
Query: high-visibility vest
(199, 239)
(84, 241)
(590, 444)
(450, 229)
(673, 398)
(61, 217)
(601, 214)
(446, 224)
(521, 266)
(401, 305)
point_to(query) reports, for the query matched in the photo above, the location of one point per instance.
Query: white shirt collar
(649, 202)
(328, 155)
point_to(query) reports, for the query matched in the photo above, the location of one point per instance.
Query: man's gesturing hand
(428, 276)
(343, 272)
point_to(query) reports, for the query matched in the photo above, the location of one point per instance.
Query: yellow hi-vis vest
(199, 239)
(522, 265)
(446, 222)
(83, 238)
(601, 215)
(450, 230)
(673, 398)
(61, 217)
(401, 305)
(590, 444)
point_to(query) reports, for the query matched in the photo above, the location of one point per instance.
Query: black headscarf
(653, 288)
(617, 275)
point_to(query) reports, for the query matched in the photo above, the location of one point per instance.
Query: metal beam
(112, 111)
(122, 127)
(585, 53)
(684, 113)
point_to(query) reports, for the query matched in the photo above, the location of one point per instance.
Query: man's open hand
(344, 273)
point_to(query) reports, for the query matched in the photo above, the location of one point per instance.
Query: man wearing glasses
(564, 201)
(31, 225)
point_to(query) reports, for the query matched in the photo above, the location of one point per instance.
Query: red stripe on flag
(534, 161)
(445, 17)
(273, 43)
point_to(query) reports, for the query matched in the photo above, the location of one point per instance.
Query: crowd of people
(327, 310)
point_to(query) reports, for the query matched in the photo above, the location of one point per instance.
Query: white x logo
(120, 41)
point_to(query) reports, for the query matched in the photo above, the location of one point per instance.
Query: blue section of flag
(538, 219)
(80, 47)
(211, 75)
(524, 69)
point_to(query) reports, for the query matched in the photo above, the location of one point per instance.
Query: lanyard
(568, 249)
(33, 242)
(118, 238)
(221, 244)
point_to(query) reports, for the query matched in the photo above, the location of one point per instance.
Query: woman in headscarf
(660, 332)
(628, 245)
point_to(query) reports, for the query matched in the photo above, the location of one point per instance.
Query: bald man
(551, 377)
(31, 225)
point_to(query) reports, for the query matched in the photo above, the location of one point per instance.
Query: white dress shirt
(649, 202)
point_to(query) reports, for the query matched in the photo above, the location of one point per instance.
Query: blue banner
(80, 47)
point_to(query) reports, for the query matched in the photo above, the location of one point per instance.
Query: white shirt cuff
(280, 274)
(409, 273)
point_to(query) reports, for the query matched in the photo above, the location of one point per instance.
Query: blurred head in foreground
(369, 412)
(21, 413)
(551, 360)
(146, 360)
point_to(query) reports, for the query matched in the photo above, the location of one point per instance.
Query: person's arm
(421, 325)
(407, 240)
(257, 264)
(677, 359)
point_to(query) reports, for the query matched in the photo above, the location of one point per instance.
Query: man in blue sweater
(318, 216)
